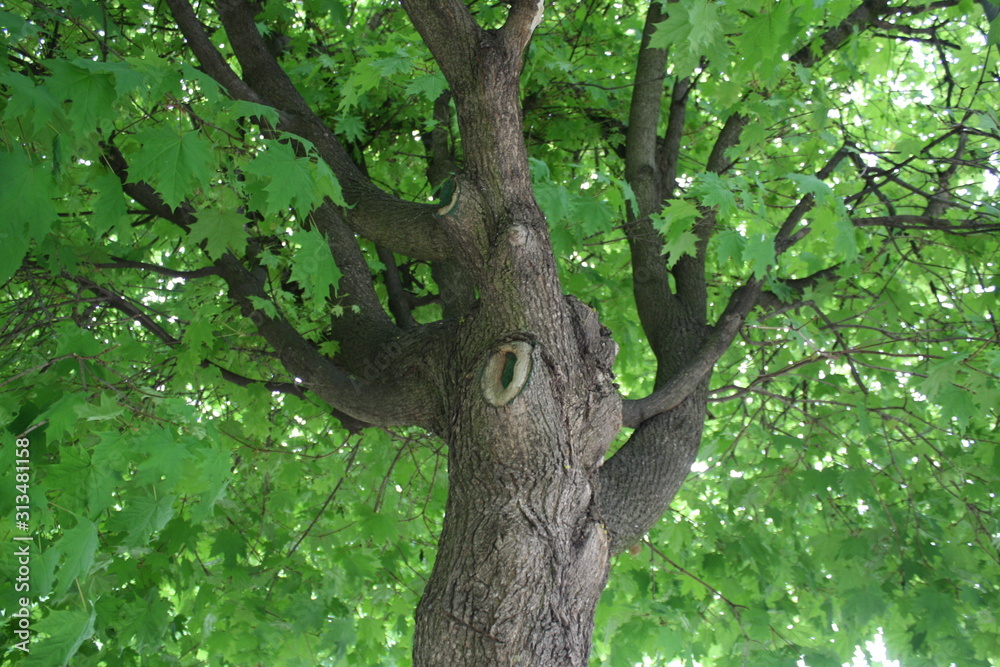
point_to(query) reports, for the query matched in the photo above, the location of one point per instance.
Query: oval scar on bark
(506, 371)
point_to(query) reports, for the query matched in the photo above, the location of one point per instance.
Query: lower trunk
(520, 567)
(522, 558)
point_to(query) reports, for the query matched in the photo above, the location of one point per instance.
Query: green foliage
(847, 481)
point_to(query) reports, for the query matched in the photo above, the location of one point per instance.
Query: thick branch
(405, 227)
(686, 380)
(483, 68)
(637, 484)
(670, 150)
(209, 57)
(403, 402)
(650, 278)
(451, 34)
(524, 17)
(728, 137)
(356, 281)
(260, 69)
(858, 20)
(644, 114)
(397, 404)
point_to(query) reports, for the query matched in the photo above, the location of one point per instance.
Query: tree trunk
(530, 406)
(522, 558)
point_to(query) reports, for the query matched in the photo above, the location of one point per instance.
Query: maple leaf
(221, 231)
(174, 163)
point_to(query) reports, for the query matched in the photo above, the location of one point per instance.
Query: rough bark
(522, 559)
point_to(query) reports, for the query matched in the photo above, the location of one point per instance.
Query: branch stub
(506, 372)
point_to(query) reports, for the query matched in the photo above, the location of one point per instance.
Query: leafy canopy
(191, 505)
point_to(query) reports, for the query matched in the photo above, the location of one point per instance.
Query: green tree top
(283, 319)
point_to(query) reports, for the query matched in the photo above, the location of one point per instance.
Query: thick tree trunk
(530, 403)
(523, 559)
(520, 567)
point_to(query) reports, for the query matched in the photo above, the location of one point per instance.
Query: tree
(311, 310)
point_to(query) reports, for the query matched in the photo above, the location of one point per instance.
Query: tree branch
(644, 114)
(405, 227)
(655, 302)
(451, 34)
(784, 239)
(209, 57)
(406, 401)
(686, 380)
(925, 222)
(156, 268)
(524, 17)
(636, 485)
(670, 150)
(399, 300)
(260, 69)
(116, 301)
(728, 137)
(383, 405)
(858, 20)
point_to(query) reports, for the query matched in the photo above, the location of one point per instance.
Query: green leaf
(215, 471)
(861, 605)
(15, 27)
(365, 76)
(809, 184)
(730, 246)
(759, 252)
(265, 305)
(677, 215)
(290, 181)
(176, 164)
(26, 200)
(314, 267)
(30, 107)
(244, 109)
(958, 404)
(684, 243)
(63, 632)
(350, 127)
(149, 621)
(108, 409)
(705, 24)
(430, 86)
(941, 375)
(110, 210)
(555, 202)
(90, 92)
(714, 191)
(222, 231)
(164, 468)
(676, 29)
(327, 185)
(765, 39)
(78, 546)
(674, 222)
(142, 516)
(230, 544)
